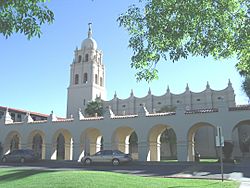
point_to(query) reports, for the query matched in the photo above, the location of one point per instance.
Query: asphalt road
(156, 169)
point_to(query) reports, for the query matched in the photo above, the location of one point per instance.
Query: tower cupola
(89, 43)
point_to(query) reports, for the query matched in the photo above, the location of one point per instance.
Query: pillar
(191, 152)
(143, 151)
(76, 152)
(182, 150)
(48, 151)
(155, 151)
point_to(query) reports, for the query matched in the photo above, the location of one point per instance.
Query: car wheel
(87, 161)
(4, 160)
(22, 160)
(115, 162)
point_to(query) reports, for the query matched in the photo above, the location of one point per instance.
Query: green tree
(24, 16)
(172, 29)
(94, 107)
(246, 86)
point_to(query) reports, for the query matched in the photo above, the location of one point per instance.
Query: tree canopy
(246, 86)
(94, 107)
(26, 17)
(173, 29)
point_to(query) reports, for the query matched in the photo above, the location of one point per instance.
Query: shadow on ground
(20, 174)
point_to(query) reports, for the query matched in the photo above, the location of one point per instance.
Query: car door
(98, 157)
(107, 156)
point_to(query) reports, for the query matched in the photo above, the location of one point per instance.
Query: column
(182, 150)
(48, 151)
(155, 151)
(143, 152)
(76, 151)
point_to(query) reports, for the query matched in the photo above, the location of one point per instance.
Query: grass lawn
(21, 178)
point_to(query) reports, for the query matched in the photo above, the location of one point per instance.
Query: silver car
(111, 156)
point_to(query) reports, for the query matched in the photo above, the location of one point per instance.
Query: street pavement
(237, 172)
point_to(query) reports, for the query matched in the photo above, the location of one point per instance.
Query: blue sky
(35, 74)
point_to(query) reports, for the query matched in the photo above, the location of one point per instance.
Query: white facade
(188, 100)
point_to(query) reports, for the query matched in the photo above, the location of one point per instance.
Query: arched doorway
(161, 143)
(201, 140)
(37, 145)
(91, 141)
(62, 145)
(241, 140)
(168, 145)
(36, 140)
(12, 142)
(125, 139)
(133, 145)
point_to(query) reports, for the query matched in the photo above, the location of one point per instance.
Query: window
(198, 99)
(87, 57)
(79, 59)
(107, 152)
(85, 78)
(77, 79)
(1, 114)
(124, 106)
(13, 117)
(159, 103)
(96, 79)
(101, 82)
(19, 117)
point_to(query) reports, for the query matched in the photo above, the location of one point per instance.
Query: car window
(14, 152)
(99, 153)
(117, 152)
(107, 152)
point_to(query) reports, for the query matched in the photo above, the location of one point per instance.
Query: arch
(155, 148)
(96, 79)
(77, 79)
(85, 78)
(86, 57)
(201, 134)
(79, 59)
(133, 145)
(122, 140)
(241, 139)
(101, 81)
(91, 141)
(12, 141)
(36, 142)
(62, 145)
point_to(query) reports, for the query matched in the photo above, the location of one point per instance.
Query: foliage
(94, 107)
(246, 86)
(167, 108)
(171, 30)
(21, 178)
(169, 136)
(26, 17)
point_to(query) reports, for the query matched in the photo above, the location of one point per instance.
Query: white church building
(134, 125)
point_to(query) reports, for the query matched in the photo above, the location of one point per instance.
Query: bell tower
(87, 76)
